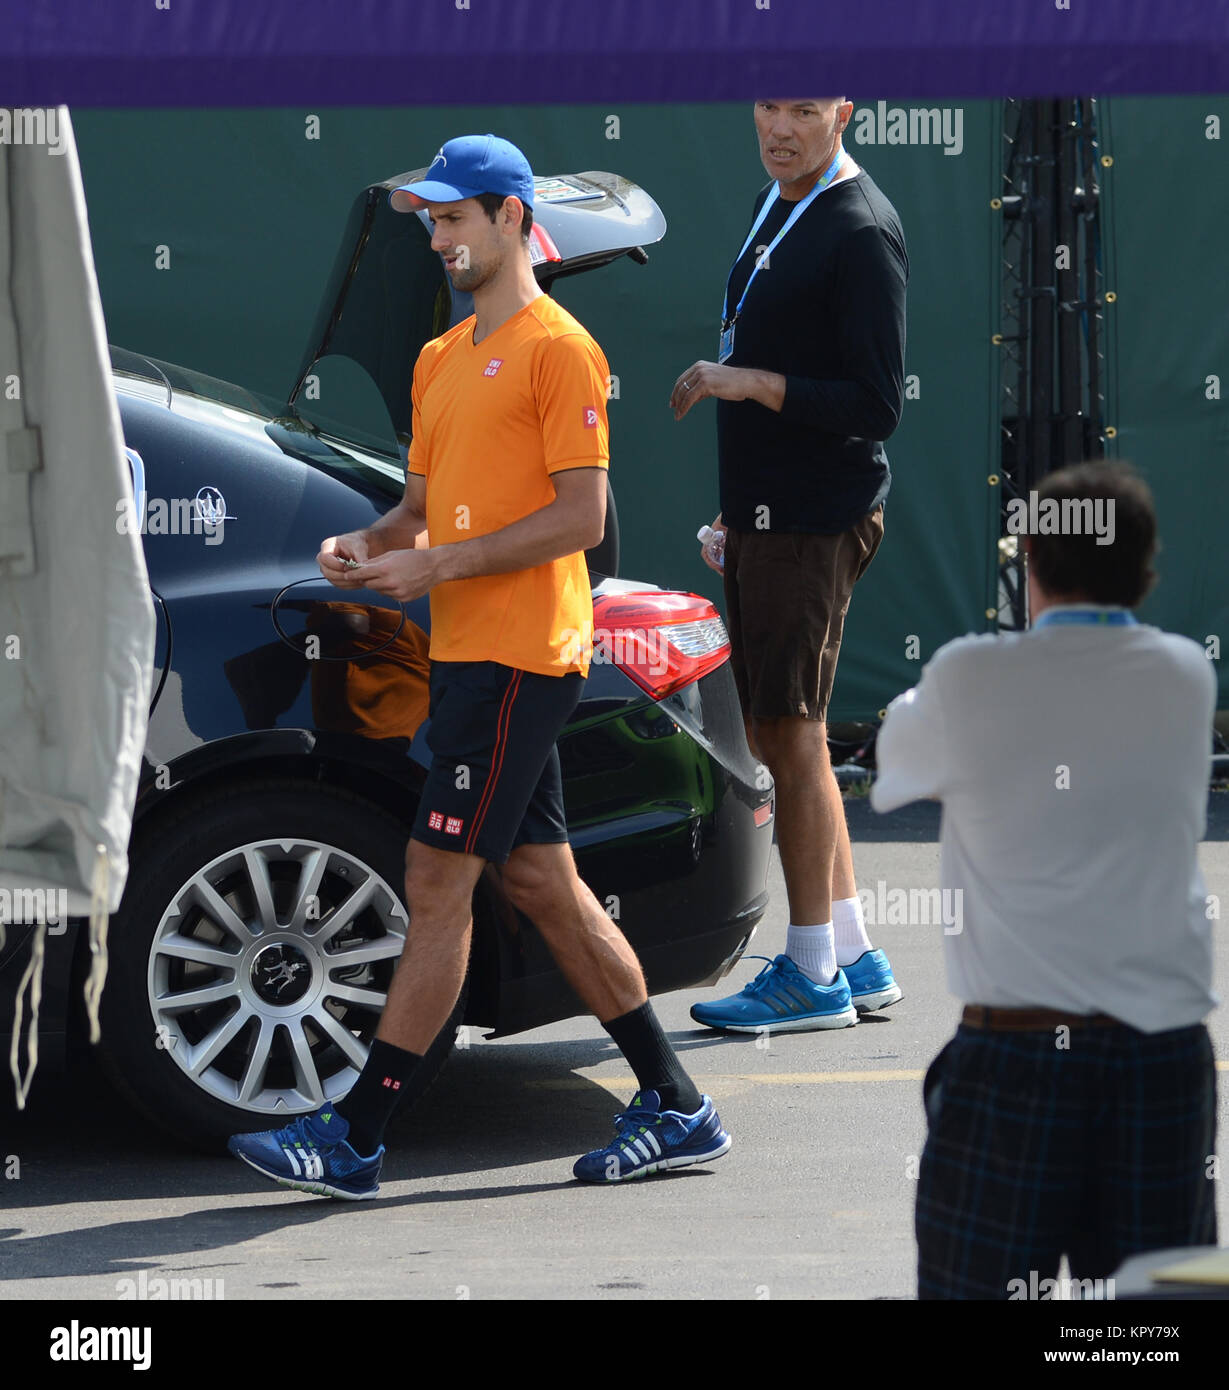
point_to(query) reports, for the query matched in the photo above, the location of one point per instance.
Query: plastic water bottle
(714, 543)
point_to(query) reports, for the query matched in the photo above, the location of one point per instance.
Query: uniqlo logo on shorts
(435, 821)
(453, 827)
(590, 417)
(492, 366)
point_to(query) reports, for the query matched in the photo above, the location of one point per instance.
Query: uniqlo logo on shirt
(453, 826)
(492, 366)
(590, 417)
(391, 1084)
(435, 821)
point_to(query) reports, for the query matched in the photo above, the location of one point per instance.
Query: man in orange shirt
(505, 490)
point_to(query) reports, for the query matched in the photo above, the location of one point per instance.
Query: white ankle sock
(849, 929)
(813, 951)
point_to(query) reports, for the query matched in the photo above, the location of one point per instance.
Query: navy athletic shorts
(495, 781)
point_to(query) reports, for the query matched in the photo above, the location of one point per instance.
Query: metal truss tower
(1052, 372)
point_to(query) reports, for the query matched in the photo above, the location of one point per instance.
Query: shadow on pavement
(489, 1110)
(495, 1105)
(122, 1248)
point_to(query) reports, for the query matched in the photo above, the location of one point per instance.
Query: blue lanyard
(824, 180)
(1093, 617)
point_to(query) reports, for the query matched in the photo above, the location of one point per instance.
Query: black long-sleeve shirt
(827, 311)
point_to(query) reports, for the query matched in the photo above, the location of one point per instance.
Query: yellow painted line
(764, 1078)
(714, 1083)
(821, 1078)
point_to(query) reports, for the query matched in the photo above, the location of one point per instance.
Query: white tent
(76, 618)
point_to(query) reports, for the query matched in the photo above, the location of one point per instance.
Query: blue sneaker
(311, 1155)
(648, 1139)
(871, 982)
(783, 999)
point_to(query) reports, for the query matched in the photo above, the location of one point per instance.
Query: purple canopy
(386, 52)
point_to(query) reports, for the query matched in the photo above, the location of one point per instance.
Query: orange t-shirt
(492, 422)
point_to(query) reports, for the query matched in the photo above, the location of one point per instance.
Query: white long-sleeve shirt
(1072, 762)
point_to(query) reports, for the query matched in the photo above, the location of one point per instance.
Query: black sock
(369, 1106)
(639, 1038)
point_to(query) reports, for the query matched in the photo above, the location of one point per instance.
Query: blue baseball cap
(465, 167)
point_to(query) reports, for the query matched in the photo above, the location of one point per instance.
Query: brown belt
(998, 1020)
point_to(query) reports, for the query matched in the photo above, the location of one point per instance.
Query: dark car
(264, 911)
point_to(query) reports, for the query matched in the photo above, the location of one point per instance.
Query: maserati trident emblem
(281, 974)
(211, 506)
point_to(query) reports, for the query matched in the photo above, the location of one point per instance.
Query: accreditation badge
(726, 345)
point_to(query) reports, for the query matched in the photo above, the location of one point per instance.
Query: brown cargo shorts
(786, 595)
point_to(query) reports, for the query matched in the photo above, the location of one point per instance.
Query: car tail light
(661, 640)
(542, 246)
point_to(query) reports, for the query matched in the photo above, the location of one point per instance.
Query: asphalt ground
(477, 1198)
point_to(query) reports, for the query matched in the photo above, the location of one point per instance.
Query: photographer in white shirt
(1074, 1111)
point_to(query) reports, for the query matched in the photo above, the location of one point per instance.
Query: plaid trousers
(1098, 1150)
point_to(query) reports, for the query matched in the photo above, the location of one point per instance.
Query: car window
(340, 399)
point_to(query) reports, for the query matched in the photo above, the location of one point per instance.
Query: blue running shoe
(648, 1139)
(311, 1155)
(871, 982)
(783, 999)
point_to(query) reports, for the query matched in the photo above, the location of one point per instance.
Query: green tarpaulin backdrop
(250, 210)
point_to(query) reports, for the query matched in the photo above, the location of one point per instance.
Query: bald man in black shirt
(809, 382)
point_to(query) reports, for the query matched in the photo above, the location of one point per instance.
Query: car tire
(253, 848)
